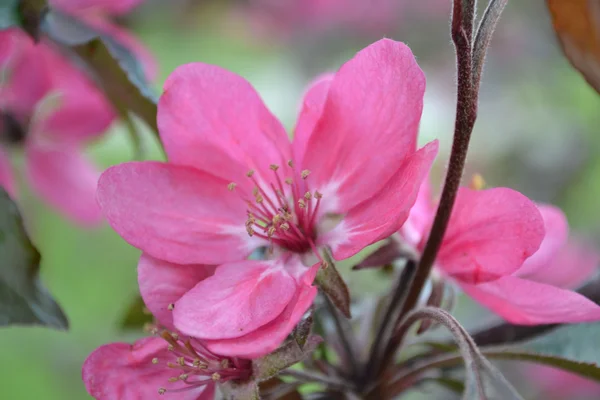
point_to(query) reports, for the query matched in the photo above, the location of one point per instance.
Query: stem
(386, 327)
(343, 335)
(308, 376)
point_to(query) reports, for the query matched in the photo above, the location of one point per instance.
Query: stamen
(216, 376)
(231, 186)
(162, 391)
(307, 195)
(301, 203)
(291, 163)
(171, 307)
(274, 167)
(289, 181)
(155, 360)
(250, 173)
(305, 174)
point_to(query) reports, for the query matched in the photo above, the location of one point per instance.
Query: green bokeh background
(549, 152)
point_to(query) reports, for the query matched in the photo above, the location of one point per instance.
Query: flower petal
(369, 123)
(206, 110)
(384, 213)
(269, 337)
(175, 213)
(421, 216)
(65, 179)
(162, 283)
(126, 372)
(557, 231)
(525, 302)
(238, 299)
(312, 108)
(490, 234)
(7, 179)
(571, 266)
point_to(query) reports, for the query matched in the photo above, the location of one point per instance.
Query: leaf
(23, 299)
(137, 315)
(577, 25)
(275, 388)
(451, 384)
(9, 14)
(572, 348)
(117, 70)
(331, 282)
(302, 331)
(287, 355)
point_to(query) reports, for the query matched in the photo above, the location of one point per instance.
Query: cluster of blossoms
(352, 176)
(50, 108)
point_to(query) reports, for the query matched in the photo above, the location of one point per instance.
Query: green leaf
(9, 14)
(284, 357)
(23, 299)
(116, 69)
(572, 348)
(454, 385)
(332, 284)
(301, 332)
(137, 315)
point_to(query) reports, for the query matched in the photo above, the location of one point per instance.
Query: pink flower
(50, 108)
(235, 183)
(245, 309)
(508, 254)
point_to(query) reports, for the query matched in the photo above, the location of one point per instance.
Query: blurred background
(537, 132)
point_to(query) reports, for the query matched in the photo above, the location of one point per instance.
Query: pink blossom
(235, 183)
(245, 309)
(54, 109)
(508, 254)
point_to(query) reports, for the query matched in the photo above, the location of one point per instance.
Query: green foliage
(23, 299)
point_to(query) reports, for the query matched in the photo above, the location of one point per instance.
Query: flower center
(283, 211)
(195, 366)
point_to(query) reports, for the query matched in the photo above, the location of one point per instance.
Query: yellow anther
(271, 231)
(285, 226)
(216, 376)
(175, 336)
(155, 360)
(274, 167)
(255, 191)
(287, 216)
(249, 230)
(183, 377)
(301, 203)
(307, 196)
(173, 379)
(181, 361)
(250, 173)
(162, 391)
(291, 163)
(170, 347)
(289, 181)
(276, 219)
(196, 362)
(171, 307)
(305, 174)
(250, 222)
(477, 182)
(318, 195)
(225, 363)
(231, 186)
(259, 198)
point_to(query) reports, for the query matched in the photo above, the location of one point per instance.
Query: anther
(155, 360)
(173, 379)
(307, 195)
(305, 174)
(231, 186)
(171, 307)
(318, 195)
(289, 181)
(250, 173)
(170, 347)
(271, 231)
(183, 377)
(285, 226)
(291, 163)
(175, 336)
(255, 191)
(216, 376)
(259, 198)
(181, 361)
(224, 363)
(162, 391)
(276, 219)
(301, 203)
(249, 230)
(274, 167)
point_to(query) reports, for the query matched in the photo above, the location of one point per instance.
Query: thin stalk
(343, 336)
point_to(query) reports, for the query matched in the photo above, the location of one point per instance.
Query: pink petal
(557, 231)
(238, 299)
(525, 302)
(81, 7)
(162, 283)
(126, 372)
(490, 234)
(7, 179)
(421, 216)
(569, 268)
(269, 337)
(214, 120)
(312, 108)
(175, 213)
(369, 123)
(384, 213)
(65, 179)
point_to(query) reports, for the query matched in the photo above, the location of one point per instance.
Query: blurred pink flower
(245, 309)
(556, 384)
(494, 250)
(53, 109)
(234, 182)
